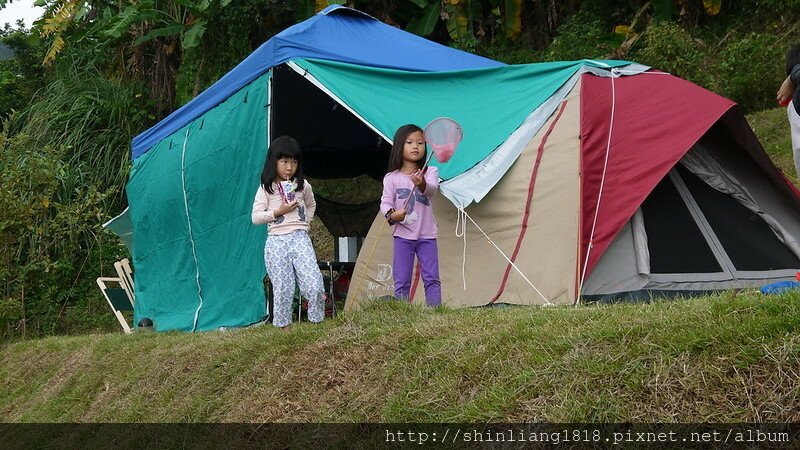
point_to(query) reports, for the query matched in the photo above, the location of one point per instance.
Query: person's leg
(309, 276)
(428, 254)
(402, 266)
(281, 275)
(794, 126)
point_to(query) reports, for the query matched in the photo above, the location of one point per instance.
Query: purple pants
(403, 268)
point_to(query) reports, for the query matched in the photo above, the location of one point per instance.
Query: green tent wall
(181, 194)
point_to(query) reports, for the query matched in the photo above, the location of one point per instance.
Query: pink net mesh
(443, 135)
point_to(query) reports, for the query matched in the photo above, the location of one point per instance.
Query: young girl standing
(406, 203)
(285, 202)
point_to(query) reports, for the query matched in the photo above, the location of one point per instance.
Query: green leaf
(421, 3)
(169, 30)
(336, 2)
(224, 3)
(424, 25)
(512, 22)
(712, 6)
(456, 20)
(82, 11)
(662, 9)
(306, 9)
(191, 38)
(123, 22)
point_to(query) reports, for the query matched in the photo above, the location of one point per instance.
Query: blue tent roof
(336, 33)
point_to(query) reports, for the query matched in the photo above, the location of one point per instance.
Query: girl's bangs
(287, 153)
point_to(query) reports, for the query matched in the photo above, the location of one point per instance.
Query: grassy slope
(720, 358)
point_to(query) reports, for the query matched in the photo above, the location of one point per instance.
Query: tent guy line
(464, 212)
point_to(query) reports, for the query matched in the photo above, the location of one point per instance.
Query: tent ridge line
(302, 71)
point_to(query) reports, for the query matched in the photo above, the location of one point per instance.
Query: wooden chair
(118, 299)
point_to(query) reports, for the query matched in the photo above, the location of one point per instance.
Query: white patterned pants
(289, 257)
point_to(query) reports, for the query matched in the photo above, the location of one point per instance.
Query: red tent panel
(657, 119)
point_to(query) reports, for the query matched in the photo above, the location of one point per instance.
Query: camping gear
(583, 179)
(118, 292)
(114, 292)
(347, 248)
(198, 259)
(125, 273)
(779, 287)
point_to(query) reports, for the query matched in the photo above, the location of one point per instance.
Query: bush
(670, 48)
(21, 75)
(51, 242)
(10, 315)
(582, 37)
(751, 69)
(93, 120)
(511, 54)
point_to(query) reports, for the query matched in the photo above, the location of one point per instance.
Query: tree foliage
(50, 240)
(20, 75)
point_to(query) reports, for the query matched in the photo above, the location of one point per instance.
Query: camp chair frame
(117, 309)
(125, 273)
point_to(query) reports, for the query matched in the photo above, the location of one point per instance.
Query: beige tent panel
(372, 276)
(548, 249)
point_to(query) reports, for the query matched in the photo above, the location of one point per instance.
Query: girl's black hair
(792, 59)
(282, 147)
(396, 155)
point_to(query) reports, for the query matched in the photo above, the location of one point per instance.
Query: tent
(198, 260)
(574, 179)
(637, 184)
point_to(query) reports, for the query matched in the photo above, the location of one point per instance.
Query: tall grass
(94, 118)
(65, 161)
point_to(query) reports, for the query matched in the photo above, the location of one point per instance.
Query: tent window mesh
(675, 242)
(747, 239)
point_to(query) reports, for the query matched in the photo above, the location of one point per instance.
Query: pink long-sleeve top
(419, 222)
(300, 218)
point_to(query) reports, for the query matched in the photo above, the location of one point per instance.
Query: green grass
(772, 128)
(722, 358)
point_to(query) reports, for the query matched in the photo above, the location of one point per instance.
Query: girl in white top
(285, 202)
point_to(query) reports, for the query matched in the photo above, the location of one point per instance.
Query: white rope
(547, 302)
(634, 72)
(191, 234)
(462, 222)
(614, 74)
